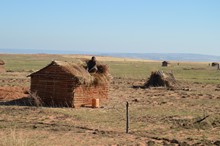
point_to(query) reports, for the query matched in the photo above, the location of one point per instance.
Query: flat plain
(189, 114)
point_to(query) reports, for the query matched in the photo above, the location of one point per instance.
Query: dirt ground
(189, 114)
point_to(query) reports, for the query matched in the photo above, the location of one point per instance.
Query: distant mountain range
(147, 56)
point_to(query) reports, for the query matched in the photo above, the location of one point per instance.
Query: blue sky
(140, 26)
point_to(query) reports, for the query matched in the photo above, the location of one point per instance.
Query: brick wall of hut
(61, 91)
(83, 94)
(53, 86)
(54, 90)
(57, 88)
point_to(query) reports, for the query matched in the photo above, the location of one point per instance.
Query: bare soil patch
(187, 115)
(8, 93)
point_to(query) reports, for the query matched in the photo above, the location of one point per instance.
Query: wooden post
(127, 117)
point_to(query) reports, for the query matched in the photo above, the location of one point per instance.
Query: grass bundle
(160, 79)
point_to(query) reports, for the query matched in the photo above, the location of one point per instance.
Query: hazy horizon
(145, 56)
(51, 51)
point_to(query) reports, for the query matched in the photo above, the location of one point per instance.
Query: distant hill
(146, 56)
(168, 56)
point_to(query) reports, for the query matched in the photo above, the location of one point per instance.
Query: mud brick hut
(2, 68)
(165, 63)
(69, 84)
(215, 64)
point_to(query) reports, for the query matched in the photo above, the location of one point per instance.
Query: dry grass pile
(79, 71)
(2, 62)
(160, 79)
(103, 69)
(102, 76)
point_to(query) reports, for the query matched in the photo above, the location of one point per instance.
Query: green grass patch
(192, 72)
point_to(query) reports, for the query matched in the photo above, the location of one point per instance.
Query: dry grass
(15, 138)
(160, 79)
(36, 99)
(157, 115)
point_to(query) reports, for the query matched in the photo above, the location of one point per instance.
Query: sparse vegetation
(36, 99)
(15, 138)
(187, 115)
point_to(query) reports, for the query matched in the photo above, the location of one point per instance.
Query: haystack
(2, 69)
(2, 62)
(160, 79)
(70, 84)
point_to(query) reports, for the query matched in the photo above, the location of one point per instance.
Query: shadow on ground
(25, 101)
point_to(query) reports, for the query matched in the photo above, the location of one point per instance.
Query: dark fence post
(127, 117)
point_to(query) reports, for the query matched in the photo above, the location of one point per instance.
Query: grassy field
(185, 71)
(196, 72)
(157, 116)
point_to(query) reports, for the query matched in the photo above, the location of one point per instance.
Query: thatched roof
(77, 71)
(2, 62)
